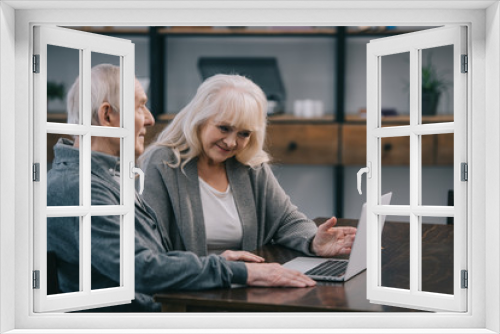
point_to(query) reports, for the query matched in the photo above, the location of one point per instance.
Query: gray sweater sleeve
(289, 226)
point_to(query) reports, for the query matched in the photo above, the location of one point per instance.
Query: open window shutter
(85, 46)
(415, 295)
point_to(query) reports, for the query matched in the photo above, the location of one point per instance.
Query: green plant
(432, 82)
(55, 90)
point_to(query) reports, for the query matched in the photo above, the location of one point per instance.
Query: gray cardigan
(266, 213)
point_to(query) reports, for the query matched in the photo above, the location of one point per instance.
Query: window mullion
(85, 173)
(415, 170)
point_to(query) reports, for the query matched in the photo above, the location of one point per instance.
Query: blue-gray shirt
(157, 268)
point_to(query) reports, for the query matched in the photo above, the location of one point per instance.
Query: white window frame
(86, 44)
(483, 124)
(413, 44)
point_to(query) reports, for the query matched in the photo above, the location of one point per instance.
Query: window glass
(106, 162)
(437, 179)
(395, 171)
(63, 66)
(55, 168)
(395, 253)
(395, 83)
(63, 233)
(437, 256)
(106, 228)
(437, 84)
(101, 99)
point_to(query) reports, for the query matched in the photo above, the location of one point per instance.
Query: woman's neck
(213, 174)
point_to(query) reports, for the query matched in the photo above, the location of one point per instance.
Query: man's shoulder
(63, 186)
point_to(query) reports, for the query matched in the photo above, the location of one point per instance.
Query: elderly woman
(208, 180)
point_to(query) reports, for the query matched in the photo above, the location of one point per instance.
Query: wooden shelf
(280, 118)
(267, 31)
(243, 30)
(288, 118)
(165, 117)
(400, 119)
(59, 117)
(113, 30)
(377, 33)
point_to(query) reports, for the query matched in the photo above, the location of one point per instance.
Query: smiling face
(221, 141)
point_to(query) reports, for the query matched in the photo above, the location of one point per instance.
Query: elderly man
(157, 268)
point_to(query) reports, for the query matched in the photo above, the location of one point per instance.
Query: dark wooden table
(347, 296)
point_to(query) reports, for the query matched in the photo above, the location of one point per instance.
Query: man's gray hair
(105, 87)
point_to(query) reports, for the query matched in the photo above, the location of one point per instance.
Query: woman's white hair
(105, 87)
(233, 99)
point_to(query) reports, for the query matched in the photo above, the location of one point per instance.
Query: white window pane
(65, 225)
(423, 163)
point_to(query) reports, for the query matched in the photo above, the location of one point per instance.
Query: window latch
(368, 171)
(136, 170)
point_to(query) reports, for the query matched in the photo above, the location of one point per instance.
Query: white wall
(492, 161)
(7, 166)
(311, 188)
(306, 64)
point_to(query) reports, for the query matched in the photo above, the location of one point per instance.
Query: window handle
(133, 172)
(368, 171)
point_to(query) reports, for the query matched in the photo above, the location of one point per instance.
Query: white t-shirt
(222, 222)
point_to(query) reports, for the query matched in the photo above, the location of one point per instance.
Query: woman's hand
(331, 241)
(241, 256)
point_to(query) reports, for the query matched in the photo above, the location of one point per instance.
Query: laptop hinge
(465, 279)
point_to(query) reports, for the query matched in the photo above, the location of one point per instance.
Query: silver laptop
(337, 270)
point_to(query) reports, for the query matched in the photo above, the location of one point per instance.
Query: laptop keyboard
(328, 268)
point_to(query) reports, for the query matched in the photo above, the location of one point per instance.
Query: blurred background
(315, 81)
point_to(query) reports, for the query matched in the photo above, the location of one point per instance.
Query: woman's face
(221, 141)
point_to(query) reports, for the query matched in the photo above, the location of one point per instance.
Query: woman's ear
(107, 116)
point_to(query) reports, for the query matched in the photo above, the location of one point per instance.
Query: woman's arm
(284, 223)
